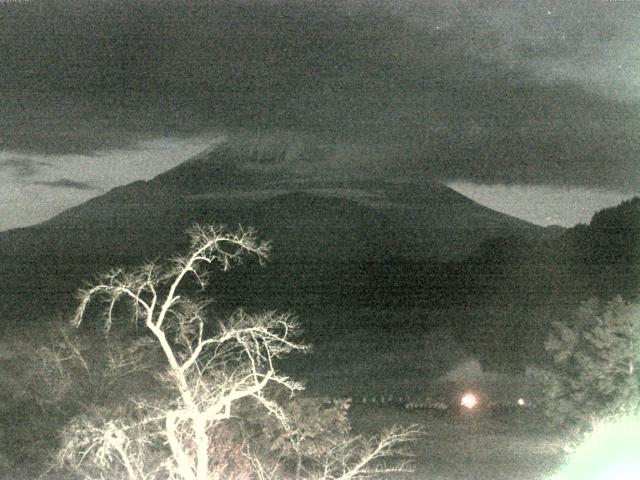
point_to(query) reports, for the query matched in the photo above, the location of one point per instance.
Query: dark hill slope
(601, 259)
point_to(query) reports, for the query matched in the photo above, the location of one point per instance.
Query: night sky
(529, 107)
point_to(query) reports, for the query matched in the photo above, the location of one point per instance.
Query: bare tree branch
(211, 375)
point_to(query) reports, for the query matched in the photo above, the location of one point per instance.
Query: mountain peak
(215, 168)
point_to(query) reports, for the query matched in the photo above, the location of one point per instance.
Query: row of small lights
(470, 400)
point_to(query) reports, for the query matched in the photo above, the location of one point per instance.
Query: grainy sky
(530, 107)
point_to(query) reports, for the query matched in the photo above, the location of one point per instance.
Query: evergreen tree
(596, 359)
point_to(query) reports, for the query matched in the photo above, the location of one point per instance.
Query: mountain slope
(317, 227)
(416, 218)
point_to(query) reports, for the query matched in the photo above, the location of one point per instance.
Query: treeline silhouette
(600, 259)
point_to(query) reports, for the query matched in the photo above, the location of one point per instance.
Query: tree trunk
(202, 448)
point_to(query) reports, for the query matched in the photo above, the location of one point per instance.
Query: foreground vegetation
(80, 402)
(215, 405)
(526, 446)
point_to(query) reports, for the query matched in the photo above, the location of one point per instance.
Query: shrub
(51, 375)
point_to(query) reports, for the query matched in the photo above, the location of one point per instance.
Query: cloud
(543, 205)
(23, 167)
(66, 183)
(102, 170)
(489, 92)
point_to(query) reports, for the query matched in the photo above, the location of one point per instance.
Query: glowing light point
(469, 400)
(521, 402)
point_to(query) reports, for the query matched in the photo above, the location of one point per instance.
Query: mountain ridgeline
(352, 243)
(323, 232)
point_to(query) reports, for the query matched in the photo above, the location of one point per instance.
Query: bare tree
(210, 371)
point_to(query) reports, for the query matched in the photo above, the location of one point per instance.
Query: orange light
(469, 400)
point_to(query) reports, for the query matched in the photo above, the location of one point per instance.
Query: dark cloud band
(433, 90)
(23, 167)
(66, 183)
